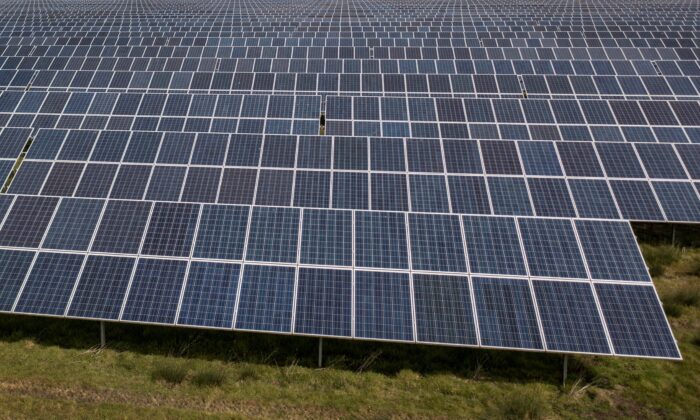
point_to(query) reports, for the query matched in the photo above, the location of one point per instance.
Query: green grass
(209, 377)
(659, 257)
(52, 368)
(170, 372)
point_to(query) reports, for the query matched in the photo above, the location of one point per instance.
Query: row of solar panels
(504, 37)
(418, 156)
(368, 66)
(586, 87)
(635, 200)
(17, 108)
(640, 200)
(341, 303)
(349, 52)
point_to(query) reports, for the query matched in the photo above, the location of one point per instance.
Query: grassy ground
(49, 368)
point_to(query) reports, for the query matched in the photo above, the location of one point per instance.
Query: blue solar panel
(27, 220)
(122, 227)
(429, 194)
(380, 240)
(570, 319)
(155, 290)
(73, 225)
(593, 198)
(350, 190)
(611, 251)
(324, 302)
(389, 192)
(101, 287)
(210, 295)
(14, 266)
(49, 284)
(273, 235)
(636, 200)
(493, 246)
(550, 197)
(679, 201)
(383, 306)
(469, 194)
(551, 248)
(443, 309)
(509, 196)
(171, 229)
(506, 313)
(221, 232)
(267, 295)
(636, 321)
(436, 243)
(327, 237)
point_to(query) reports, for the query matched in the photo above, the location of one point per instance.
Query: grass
(52, 368)
(209, 377)
(659, 257)
(170, 372)
(530, 403)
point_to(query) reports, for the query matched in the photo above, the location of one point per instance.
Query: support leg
(103, 338)
(320, 352)
(673, 235)
(564, 371)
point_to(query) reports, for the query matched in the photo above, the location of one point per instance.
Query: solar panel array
(473, 183)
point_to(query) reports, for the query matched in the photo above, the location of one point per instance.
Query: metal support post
(566, 365)
(320, 352)
(103, 339)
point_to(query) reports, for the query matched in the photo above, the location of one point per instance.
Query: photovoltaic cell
(383, 306)
(380, 240)
(210, 295)
(267, 294)
(570, 319)
(611, 250)
(27, 220)
(221, 233)
(122, 227)
(636, 321)
(493, 246)
(171, 229)
(49, 284)
(551, 248)
(14, 266)
(506, 313)
(324, 302)
(327, 237)
(101, 287)
(443, 309)
(273, 234)
(155, 290)
(436, 243)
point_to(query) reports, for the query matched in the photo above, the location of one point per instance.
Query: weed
(679, 298)
(170, 372)
(695, 340)
(673, 310)
(529, 403)
(659, 257)
(209, 377)
(692, 267)
(685, 296)
(248, 373)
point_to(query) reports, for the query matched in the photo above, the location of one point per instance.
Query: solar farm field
(437, 197)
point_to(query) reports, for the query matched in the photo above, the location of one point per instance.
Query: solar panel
(471, 184)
